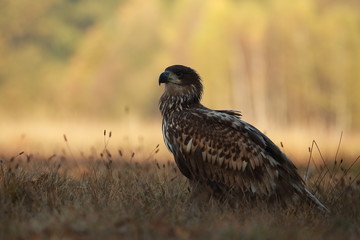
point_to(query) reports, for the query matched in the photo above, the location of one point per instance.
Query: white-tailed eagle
(218, 152)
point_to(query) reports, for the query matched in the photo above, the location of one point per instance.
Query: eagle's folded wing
(217, 147)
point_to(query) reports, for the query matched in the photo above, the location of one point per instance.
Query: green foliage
(37, 40)
(280, 62)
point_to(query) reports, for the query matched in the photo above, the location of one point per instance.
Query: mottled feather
(220, 153)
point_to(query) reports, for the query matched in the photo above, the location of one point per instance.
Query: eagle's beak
(164, 77)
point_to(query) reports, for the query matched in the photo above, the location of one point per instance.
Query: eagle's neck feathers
(177, 98)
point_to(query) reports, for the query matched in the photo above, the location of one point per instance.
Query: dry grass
(110, 196)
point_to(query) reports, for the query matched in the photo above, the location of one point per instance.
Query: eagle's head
(181, 83)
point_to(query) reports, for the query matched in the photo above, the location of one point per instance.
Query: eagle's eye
(180, 74)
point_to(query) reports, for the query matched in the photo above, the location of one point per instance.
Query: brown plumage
(218, 152)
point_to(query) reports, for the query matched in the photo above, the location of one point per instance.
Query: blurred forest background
(285, 64)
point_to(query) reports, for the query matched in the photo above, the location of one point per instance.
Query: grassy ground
(113, 197)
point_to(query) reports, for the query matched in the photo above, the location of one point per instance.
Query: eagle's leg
(200, 193)
(209, 192)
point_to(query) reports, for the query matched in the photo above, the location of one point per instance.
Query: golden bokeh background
(77, 67)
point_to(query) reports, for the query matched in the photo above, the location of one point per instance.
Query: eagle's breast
(166, 135)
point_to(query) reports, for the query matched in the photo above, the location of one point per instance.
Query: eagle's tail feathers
(317, 202)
